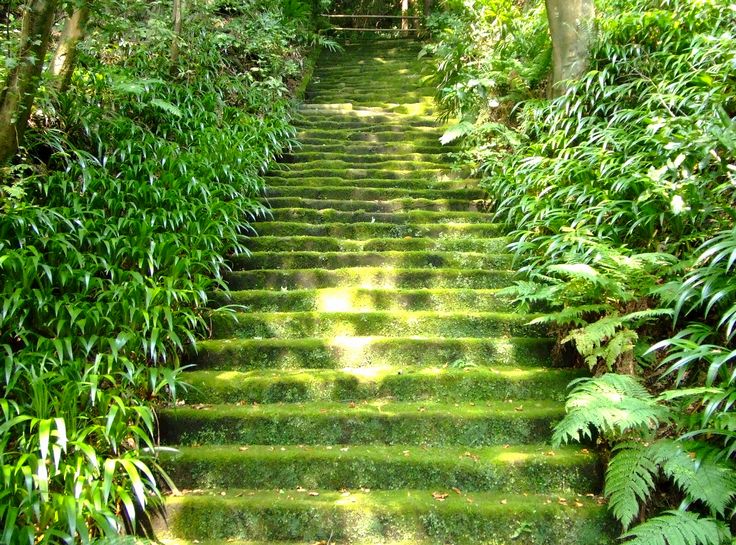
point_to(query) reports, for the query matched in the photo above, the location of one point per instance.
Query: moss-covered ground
(372, 386)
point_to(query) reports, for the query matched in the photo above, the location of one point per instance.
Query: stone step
(371, 352)
(372, 148)
(365, 300)
(361, 231)
(376, 422)
(331, 244)
(417, 516)
(369, 277)
(406, 180)
(454, 383)
(329, 215)
(358, 193)
(354, 159)
(291, 325)
(416, 136)
(516, 469)
(346, 163)
(395, 205)
(338, 260)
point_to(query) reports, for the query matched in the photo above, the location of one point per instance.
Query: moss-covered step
(378, 230)
(329, 215)
(362, 116)
(418, 181)
(365, 300)
(347, 163)
(515, 469)
(295, 156)
(395, 205)
(369, 277)
(399, 95)
(372, 352)
(352, 122)
(364, 148)
(415, 136)
(375, 422)
(456, 381)
(336, 260)
(494, 245)
(422, 516)
(367, 194)
(377, 323)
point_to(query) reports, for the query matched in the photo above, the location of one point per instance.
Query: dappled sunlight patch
(352, 349)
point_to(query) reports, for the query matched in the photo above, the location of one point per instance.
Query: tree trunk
(22, 81)
(65, 56)
(427, 8)
(174, 54)
(571, 27)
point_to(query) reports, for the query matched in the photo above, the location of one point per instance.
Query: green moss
(328, 215)
(495, 245)
(248, 354)
(358, 299)
(318, 146)
(402, 383)
(516, 469)
(368, 422)
(395, 205)
(420, 137)
(335, 260)
(378, 230)
(390, 179)
(363, 193)
(466, 518)
(376, 323)
(369, 277)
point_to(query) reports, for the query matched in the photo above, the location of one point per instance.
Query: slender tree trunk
(571, 27)
(22, 81)
(427, 8)
(404, 13)
(174, 54)
(65, 56)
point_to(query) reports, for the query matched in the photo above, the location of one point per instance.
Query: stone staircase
(376, 389)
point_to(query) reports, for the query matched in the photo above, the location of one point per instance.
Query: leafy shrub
(116, 223)
(619, 198)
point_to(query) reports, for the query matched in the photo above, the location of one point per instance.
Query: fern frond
(678, 528)
(615, 405)
(702, 478)
(630, 479)
(571, 315)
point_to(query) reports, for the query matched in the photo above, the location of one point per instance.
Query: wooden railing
(405, 27)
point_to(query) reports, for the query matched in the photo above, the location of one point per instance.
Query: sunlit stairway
(378, 389)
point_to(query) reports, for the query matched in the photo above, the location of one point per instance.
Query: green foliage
(678, 527)
(615, 405)
(133, 189)
(619, 199)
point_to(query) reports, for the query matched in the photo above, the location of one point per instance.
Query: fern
(702, 478)
(610, 337)
(615, 405)
(572, 315)
(678, 528)
(630, 479)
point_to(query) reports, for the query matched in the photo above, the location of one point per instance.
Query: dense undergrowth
(620, 199)
(116, 220)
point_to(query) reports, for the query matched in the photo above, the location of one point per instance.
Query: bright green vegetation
(372, 517)
(619, 196)
(131, 187)
(372, 384)
(366, 351)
